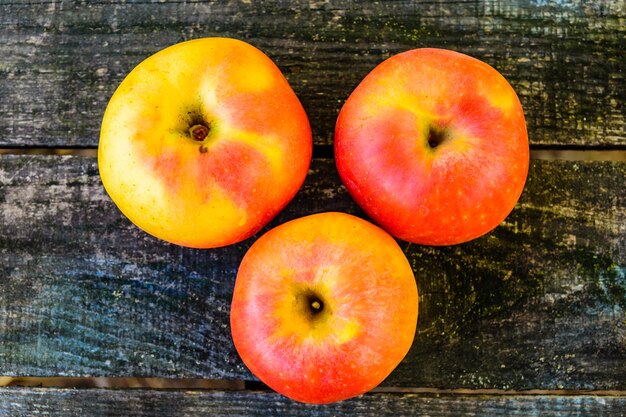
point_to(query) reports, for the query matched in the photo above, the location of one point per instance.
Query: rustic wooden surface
(537, 304)
(98, 402)
(61, 60)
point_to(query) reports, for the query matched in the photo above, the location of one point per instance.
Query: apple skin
(432, 144)
(203, 143)
(368, 298)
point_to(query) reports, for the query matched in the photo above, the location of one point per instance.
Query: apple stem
(316, 305)
(312, 304)
(199, 132)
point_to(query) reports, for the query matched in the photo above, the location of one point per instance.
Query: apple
(203, 143)
(432, 144)
(324, 307)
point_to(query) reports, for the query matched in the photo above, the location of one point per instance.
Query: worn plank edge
(198, 384)
(101, 402)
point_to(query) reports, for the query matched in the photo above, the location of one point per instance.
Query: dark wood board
(60, 61)
(539, 303)
(29, 402)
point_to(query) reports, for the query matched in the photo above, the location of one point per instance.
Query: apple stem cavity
(436, 136)
(199, 132)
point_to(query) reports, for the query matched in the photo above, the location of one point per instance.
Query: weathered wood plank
(27, 402)
(61, 60)
(538, 303)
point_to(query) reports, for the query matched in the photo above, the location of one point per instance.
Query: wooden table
(527, 320)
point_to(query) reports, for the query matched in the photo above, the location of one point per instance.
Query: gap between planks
(240, 385)
(326, 152)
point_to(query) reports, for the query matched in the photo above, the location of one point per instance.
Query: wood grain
(16, 402)
(539, 303)
(60, 61)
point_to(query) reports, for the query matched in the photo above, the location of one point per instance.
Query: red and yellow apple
(324, 307)
(204, 142)
(432, 144)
